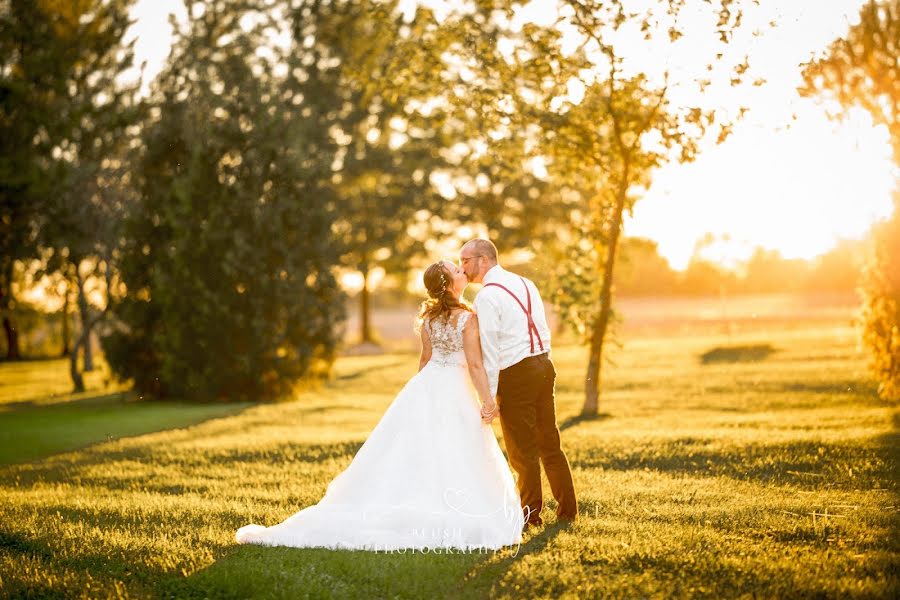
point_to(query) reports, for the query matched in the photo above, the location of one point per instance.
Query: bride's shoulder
(464, 316)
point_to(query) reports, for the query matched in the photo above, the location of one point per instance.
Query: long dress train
(430, 475)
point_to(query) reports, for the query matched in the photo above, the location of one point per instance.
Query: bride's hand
(488, 412)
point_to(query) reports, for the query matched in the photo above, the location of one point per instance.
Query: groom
(515, 344)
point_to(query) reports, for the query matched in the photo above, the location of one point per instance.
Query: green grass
(47, 381)
(771, 477)
(35, 432)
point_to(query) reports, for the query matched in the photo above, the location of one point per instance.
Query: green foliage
(388, 148)
(881, 306)
(500, 111)
(63, 113)
(570, 269)
(33, 75)
(228, 257)
(863, 69)
(599, 145)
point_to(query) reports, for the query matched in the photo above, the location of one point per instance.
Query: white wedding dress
(431, 475)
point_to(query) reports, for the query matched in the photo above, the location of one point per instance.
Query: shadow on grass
(733, 354)
(260, 571)
(853, 386)
(20, 545)
(682, 573)
(816, 464)
(64, 572)
(148, 477)
(280, 572)
(702, 570)
(238, 571)
(486, 577)
(31, 359)
(582, 418)
(861, 391)
(890, 449)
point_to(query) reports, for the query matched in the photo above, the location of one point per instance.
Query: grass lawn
(765, 473)
(32, 433)
(48, 381)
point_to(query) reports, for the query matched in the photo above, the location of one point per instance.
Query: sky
(787, 179)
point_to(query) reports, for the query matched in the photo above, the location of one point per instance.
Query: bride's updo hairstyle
(440, 301)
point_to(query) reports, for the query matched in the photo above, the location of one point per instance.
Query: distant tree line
(643, 272)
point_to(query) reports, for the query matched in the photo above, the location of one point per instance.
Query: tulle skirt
(430, 475)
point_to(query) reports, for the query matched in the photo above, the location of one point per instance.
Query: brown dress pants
(525, 396)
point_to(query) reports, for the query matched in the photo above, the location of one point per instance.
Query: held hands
(489, 410)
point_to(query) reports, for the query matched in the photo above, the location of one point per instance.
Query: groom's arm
(488, 310)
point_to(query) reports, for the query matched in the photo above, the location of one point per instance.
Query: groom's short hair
(484, 247)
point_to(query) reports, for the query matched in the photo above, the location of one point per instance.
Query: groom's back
(510, 306)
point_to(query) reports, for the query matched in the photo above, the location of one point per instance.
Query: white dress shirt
(503, 325)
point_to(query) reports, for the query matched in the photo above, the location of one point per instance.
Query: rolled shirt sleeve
(487, 308)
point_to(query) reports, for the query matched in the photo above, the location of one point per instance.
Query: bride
(431, 474)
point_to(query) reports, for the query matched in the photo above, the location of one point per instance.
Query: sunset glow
(787, 179)
(796, 189)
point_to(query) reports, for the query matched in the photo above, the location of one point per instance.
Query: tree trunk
(12, 339)
(77, 379)
(88, 353)
(84, 337)
(84, 310)
(6, 304)
(83, 341)
(595, 361)
(365, 324)
(66, 331)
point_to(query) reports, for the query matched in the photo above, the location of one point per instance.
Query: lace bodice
(447, 340)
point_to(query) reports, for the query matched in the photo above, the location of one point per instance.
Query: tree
(601, 124)
(768, 271)
(880, 316)
(34, 70)
(64, 114)
(642, 271)
(86, 230)
(89, 202)
(837, 270)
(863, 69)
(227, 262)
(388, 149)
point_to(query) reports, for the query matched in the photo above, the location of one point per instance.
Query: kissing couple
(431, 475)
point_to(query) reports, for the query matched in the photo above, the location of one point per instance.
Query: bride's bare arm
(472, 349)
(425, 356)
